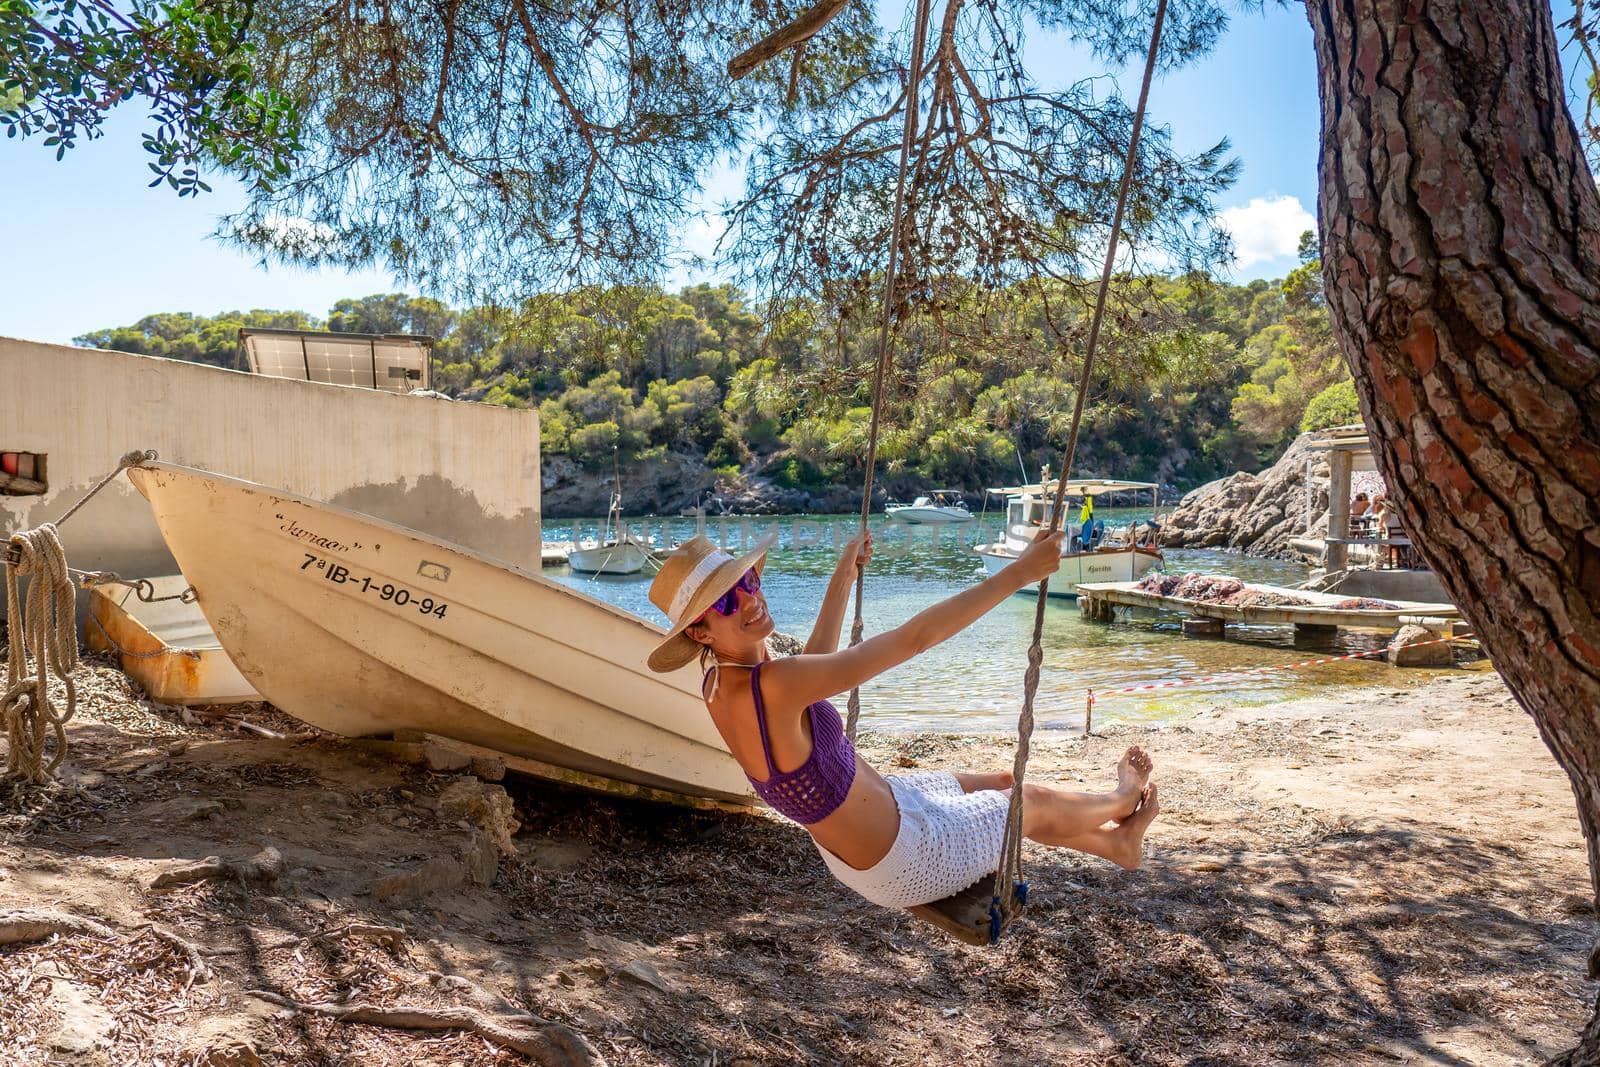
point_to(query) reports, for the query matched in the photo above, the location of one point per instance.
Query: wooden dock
(1098, 600)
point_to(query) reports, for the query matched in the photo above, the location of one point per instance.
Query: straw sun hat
(691, 580)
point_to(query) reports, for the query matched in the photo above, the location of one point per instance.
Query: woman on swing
(897, 840)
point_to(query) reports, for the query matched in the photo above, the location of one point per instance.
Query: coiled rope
(44, 628)
(43, 642)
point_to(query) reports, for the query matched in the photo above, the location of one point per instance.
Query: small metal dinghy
(366, 629)
(164, 644)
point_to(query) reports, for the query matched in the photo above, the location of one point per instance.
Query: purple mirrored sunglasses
(728, 602)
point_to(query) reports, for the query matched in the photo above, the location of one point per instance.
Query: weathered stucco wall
(468, 473)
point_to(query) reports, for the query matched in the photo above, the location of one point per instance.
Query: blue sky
(103, 250)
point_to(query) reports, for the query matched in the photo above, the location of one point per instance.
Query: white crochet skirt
(947, 841)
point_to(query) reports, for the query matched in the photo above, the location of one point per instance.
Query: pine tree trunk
(1461, 256)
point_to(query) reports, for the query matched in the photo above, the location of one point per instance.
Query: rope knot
(137, 457)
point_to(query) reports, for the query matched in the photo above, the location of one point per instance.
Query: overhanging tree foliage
(1009, 181)
(495, 151)
(65, 63)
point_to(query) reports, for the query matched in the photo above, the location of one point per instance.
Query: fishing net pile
(1221, 589)
(1217, 589)
(1261, 598)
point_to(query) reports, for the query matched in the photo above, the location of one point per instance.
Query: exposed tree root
(198, 970)
(546, 1043)
(21, 927)
(264, 866)
(392, 937)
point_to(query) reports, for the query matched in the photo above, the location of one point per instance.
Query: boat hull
(1103, 565)
(919, 516)
(624, 558)
(365, 628)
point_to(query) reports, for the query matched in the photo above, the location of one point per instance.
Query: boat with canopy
(1093, 551)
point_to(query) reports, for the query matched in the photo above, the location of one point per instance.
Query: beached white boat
(938, 506)
(1120, 555)
(365, 628)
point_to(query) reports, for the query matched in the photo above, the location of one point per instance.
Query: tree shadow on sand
(666, 936)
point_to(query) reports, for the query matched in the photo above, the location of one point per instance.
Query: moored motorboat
(1090, 552)
(938, 506)
(365, 628)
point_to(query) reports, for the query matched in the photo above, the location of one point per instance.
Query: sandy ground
(1398, 879)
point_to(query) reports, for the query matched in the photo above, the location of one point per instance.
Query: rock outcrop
(1256, 513)
(659, 486)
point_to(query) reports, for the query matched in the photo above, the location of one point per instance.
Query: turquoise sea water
(974, 681)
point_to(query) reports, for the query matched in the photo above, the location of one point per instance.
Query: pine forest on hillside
(1200, 377)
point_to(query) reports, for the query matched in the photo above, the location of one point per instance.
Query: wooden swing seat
(970, 914)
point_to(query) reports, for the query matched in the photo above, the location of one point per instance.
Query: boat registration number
(389, 592)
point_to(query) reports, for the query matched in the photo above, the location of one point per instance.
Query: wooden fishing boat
(165, 645)
(616, 551)
(614, 557)
(366, 628)
(1095, 554)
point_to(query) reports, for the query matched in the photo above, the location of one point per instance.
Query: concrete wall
(467, 473)
(1423, 586)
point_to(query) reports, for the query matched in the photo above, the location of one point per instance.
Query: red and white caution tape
(1226, 675)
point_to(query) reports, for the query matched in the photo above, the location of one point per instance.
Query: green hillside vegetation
(1199, 378)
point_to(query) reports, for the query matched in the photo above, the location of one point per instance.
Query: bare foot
(1128, 850)
(1133, 775)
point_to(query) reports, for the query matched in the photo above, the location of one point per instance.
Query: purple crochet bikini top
(815, 789)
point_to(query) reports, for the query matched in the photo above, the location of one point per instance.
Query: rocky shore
(676, 481)
(1330, 881)
(1257, 513)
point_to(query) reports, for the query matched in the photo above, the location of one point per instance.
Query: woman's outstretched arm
(801, 680)
(825, 634)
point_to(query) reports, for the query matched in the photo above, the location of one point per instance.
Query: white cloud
(292, 232)
(702, 234)
(1266, 228)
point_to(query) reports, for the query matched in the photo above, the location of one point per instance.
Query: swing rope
(1007, 905)
(891, 273)
(1004, 906)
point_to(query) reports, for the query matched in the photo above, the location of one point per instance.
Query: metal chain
(111, 642)
(143, 588)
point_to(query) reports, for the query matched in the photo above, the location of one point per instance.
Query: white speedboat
(938, 506)
(1123, 554)
(366, 628)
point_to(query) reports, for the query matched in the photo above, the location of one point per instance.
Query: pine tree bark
(1461, 256)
